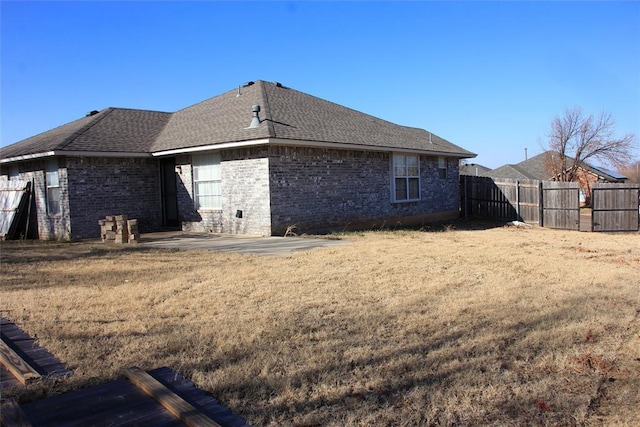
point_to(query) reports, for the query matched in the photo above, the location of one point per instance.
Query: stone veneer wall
(99, 186)
(326, 189)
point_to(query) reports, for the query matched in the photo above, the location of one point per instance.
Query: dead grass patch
(499, 326)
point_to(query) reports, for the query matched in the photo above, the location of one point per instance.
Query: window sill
(406, 201)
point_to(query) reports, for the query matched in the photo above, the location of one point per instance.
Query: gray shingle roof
(111, 130)
(289, 114)
(286, 114)
(473, 169)
(538, 167)
(533, 168)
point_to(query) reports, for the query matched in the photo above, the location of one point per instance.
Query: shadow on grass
(32, 251)
(471, 372)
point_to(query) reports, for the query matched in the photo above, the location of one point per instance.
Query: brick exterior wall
(98, 187)
(245, 187)
(274, 187)
(41, 224)
(322, 190)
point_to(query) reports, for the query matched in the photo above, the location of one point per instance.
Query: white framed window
(442, 167)
(406, 177)
(207, 181)
(52, 179)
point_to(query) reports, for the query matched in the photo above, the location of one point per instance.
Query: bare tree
(575, 139)
(632, 172)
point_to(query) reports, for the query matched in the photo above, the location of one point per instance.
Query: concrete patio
(235, 243)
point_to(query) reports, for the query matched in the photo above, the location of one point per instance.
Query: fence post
(518, 217)
(466, 200)
(540, 205)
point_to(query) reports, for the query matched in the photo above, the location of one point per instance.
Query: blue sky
(488, 76)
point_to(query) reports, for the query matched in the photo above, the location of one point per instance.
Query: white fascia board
(28, 157)
(118, 154)
(212, 147)
(303, 143)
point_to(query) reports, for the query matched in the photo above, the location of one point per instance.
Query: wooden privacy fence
(615, 207)
(549, 203)
(508, 199)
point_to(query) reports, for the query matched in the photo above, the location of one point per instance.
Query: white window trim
(444, 160)
(218, 179)
(407, 177)
(52, 167)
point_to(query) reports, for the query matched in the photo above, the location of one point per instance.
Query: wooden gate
(615, 207)
(561, 205)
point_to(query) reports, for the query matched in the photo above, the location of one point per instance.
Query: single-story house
(473, 169)
(541, 167)
(257, 159)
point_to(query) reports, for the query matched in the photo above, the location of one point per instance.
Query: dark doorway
(169, 193)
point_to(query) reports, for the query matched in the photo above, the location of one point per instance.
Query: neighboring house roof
(509, 171)
(607, 175)
(533, 168)
(473, 169)
(287, 116)
(537, 168)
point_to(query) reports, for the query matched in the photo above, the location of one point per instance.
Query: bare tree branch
(576, 138)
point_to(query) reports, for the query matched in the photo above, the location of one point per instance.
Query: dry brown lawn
(501, 326)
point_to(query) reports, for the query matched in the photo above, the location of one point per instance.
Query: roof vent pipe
(255, 121)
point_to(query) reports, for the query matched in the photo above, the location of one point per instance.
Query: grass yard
(456, 326)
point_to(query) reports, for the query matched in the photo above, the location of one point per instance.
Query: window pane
(412, 165)
(414, 188)
(399, 166)
(53, 200)
(203, 173)
(206, 179)
(52, 179)
(401, 189)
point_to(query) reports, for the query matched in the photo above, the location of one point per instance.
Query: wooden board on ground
(15, 364)
(23, 359)
(121, 402)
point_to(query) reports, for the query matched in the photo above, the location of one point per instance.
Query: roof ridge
(85, 128)
(139, 109)
(267, 109)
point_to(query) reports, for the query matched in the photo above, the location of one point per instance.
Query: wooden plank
(168, 399)
(46, 364)
(16, 365)
(11, 414)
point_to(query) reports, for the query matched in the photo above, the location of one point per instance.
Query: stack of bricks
(119, 229)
